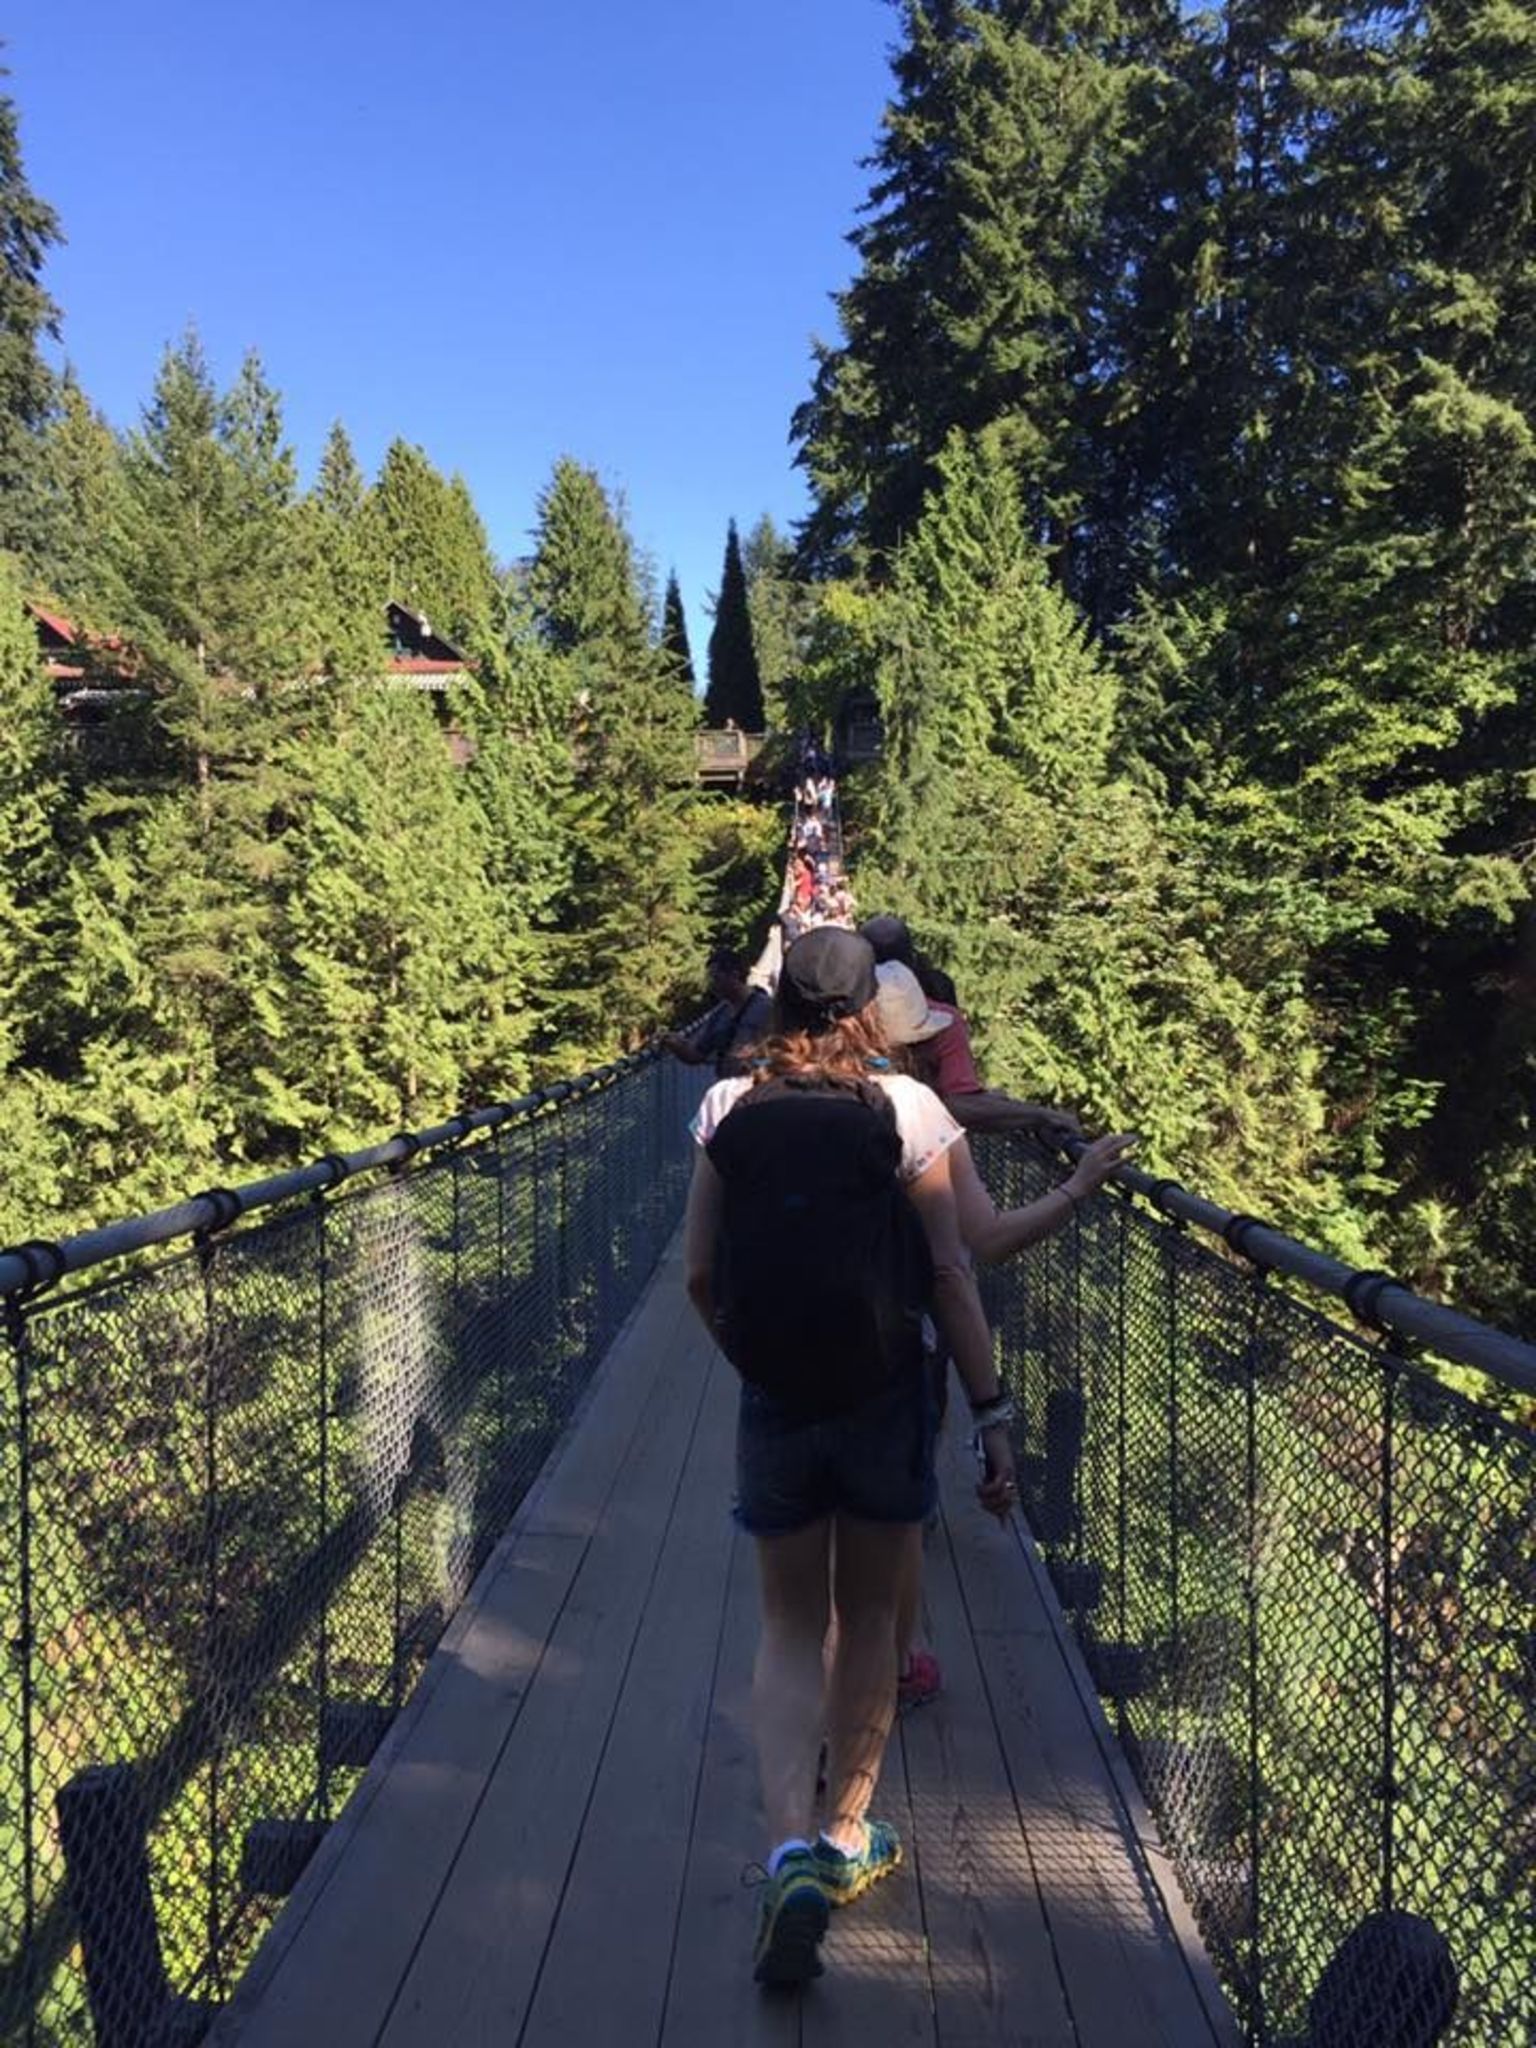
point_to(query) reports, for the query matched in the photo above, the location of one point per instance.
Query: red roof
(64, 628)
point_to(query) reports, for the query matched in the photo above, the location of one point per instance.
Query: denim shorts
(875, 1463)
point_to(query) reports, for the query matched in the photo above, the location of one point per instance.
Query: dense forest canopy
(266, 889)
(1174, 476)
(1173, 492)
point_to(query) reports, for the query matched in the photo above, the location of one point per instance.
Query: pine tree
(349, 594)
(395, 1005)
(735, 693)
(84, 515)
(29, 228)
(31, 881)
(674, 631)
(983, 271)
(430, 544)
(780, 609)
(632, 935)
(583, 582)
(1000, 824)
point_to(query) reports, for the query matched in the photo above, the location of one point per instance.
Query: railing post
(320, 1211)
(501, 1322)
(212, 1679)
(1388, 1601)
(20, 1340)
(1251, 1601)
(1174, 1660)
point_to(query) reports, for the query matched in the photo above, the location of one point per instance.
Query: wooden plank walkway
(549, 1848)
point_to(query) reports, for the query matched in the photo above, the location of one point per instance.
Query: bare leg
(869, 1561)
(908, 1600)
(787, 1682)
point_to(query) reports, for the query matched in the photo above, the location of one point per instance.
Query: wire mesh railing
(243, 1486)
(1299, 1563)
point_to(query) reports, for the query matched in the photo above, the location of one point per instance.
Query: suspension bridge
(379, 1641)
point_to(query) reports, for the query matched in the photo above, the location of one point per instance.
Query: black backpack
(822, 1271)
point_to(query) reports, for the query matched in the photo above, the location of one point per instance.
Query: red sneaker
(920, 1682)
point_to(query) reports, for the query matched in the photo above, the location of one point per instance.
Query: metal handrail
(1372, 1297)
(27, 1267)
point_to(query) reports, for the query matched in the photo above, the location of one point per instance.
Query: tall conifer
(674, 631)
(29, 228)
(735, 690)
(349, 593)
(633, 933)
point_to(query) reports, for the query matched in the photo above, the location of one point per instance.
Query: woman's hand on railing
(1097, 1162)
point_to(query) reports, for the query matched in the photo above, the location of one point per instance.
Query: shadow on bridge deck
(550, 1846)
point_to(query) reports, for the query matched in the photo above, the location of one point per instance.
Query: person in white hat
(908, 1018)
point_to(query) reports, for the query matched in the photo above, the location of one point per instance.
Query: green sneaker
(844, 1878)
(791, 1922)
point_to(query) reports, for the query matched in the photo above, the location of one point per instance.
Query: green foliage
(400, 991)
(1234, 310)
(779, 608)
(631, 931)
(426, 541)
(31, 874)
(674, 631)
(85, 512)
(28, 229)
(349, 589)
(735, 690)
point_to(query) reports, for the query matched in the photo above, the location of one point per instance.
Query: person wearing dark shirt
(739, 1019)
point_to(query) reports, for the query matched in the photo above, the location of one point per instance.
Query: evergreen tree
(28, 230)
(431, 548)
(779, 609)
(1049, 882)
(632, 936)
(348, 585)
(583, 581)
(31, 878)
(211, 583)
(674, 632)
(983, 272)
(735, 691)
(396, 1005)
(84, 515)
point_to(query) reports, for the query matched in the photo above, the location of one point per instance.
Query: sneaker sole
(791, 1956)
(862, 1883)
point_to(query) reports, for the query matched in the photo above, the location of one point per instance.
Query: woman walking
(821, 1224)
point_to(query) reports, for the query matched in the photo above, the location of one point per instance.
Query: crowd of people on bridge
(833, 1216)
(816, 890)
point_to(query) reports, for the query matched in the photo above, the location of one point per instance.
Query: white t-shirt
(923, 1124)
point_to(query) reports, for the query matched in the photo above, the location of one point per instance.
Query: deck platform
(549, 1848)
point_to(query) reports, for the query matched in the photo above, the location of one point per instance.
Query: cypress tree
(780, 610)
(674, 632)
(735, 690)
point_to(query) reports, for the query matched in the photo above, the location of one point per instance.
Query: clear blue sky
(505, 230)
